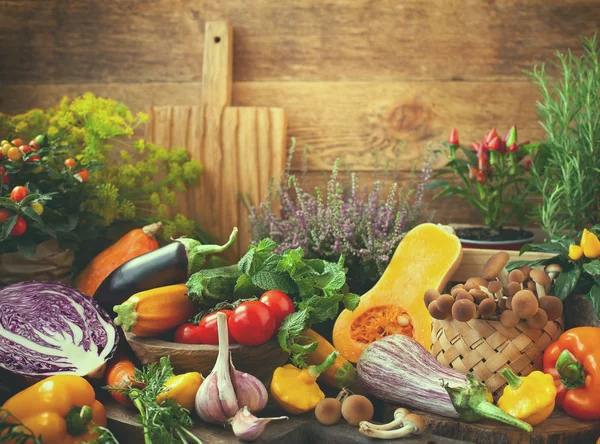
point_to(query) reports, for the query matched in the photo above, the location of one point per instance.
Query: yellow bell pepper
(296, 390)
(182, 389)
(591, 245)
(61, 408)
(530, 398)
(575, 252)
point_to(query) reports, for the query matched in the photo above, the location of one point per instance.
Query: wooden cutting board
(558, 429)
(240, 148)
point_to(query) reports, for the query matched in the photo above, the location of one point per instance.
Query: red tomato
(25, 149)
(35, 158)
(18, 193)
(70, 163)
(17, 142)
(34, 145)
(187, 334)
(280, 305)
(84, 175)
(19, 227)
(5, 178)
(252, 323)
(4, 215)
(209, 330)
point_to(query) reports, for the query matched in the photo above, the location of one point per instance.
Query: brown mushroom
(328, 411)
(553, 270)
(524, 304)
(494, 267)
(399, 415)
(530, 285)
(509, 319)
(487, 307)
(478, 281)
(516, 276)
(538, 320)
(435, 312)
(444, 304)
(470, 286)
(463, 310)
(552, 306)
(502, 303)
(454, 291)
(525, 269)
(463, 294)
(430, 295)
(507, 303)
(412, 425)
(357, 408)
(495, 287)
(541, 280)
(513, 288)
(479, 295)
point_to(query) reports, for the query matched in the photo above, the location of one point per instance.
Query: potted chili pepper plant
(493, 178)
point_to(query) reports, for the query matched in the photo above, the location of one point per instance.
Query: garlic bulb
(248, 427)
(225, 389)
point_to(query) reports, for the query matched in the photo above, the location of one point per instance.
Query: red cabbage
(48, 328)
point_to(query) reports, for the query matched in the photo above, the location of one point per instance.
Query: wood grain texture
(357, 122)
(161, 40)
(260, 361)
(559, 428)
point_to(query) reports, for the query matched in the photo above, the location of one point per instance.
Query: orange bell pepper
(574, 362)
(62, 409)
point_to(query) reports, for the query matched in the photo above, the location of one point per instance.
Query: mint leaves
(317, 287)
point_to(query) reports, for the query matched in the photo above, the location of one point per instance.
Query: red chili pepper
(513, 148)
(494, 144)
(481, 177)
(491, 135)
(453, 138)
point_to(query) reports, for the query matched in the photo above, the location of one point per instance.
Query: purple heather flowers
(365, 226)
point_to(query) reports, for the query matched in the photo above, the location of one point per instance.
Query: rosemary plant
(567, 168)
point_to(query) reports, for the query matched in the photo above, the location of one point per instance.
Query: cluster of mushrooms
(511, 297)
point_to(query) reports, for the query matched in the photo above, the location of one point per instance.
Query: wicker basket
(485, 347)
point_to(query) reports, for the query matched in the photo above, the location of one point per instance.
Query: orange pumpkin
(426, 258)
(133, 244)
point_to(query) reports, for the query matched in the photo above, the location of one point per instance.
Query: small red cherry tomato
(18, 193)
(34, 145)
(280, 305)
(4, 176)
(252, 323)
(35, 158)
(188, 334)
(208, 328)
(70, 163)
(19, 227)
(4, 215)
(83, 174)
(25, 149)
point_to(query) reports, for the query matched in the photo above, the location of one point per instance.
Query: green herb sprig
(164, 423)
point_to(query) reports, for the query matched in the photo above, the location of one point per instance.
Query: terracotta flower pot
(50, 263)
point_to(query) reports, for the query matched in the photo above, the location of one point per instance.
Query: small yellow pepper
(182, 389)
(530, 398)
(296, 390)
(591, 245)
(575, 252)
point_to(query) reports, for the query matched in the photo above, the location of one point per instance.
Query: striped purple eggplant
(398, 369)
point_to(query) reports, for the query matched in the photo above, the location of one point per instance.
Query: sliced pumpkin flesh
(426, 258)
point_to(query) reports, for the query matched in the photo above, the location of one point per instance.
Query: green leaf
(439, 183)
(7, 226)
(547, 247)
(266, 245)
(594, 297)
(267, 280)
(537, 263)
(592, 268)
(245, 263)
(244, 288)
(566, 282)
(291, 328)
(5, 202)
(29, 198)
(351, 301)
(31, 214)
(322, 308)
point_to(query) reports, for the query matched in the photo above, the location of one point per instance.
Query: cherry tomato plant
(40, 196)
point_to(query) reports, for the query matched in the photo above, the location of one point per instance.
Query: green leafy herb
(164, 423)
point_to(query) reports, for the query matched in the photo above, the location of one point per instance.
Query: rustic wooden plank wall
(353, 75)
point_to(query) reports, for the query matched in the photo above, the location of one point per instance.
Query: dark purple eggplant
(168, 265)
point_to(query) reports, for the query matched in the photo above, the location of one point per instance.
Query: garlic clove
(248, 427)
(249, 390)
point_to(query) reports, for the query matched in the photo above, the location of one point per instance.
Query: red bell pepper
(574, 362)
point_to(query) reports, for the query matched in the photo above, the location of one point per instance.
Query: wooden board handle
(217, 65)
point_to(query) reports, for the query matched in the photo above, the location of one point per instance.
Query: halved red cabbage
(48, 328)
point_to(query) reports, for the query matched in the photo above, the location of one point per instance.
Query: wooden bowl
(260, 361)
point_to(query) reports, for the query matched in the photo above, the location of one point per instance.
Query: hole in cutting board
(217, 39)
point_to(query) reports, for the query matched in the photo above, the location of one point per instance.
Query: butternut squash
(135, 243)
(426, 258)
(156, 311)
(341, 374)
